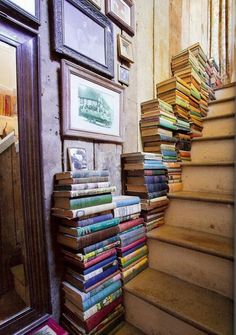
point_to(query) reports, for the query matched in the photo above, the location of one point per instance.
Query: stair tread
(221, 100)
(197, 306)
(225, 86)
(126, 329)
(196, 240)
(217, 117)
(213, 138)
(203, 196)
(202, 163)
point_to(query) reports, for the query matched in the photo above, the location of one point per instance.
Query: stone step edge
(230, 163)
(169, 310)
(218, 101)
(218, 117)
(203, 197)
(185, 244)
(213, 138)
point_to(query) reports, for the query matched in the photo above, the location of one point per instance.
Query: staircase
(188, 287)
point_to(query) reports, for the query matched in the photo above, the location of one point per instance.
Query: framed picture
(125, 49)
(92, 105)
(28, 11)
(122, 13)
(77, 159)
(97, 3)
(83, 33)
(123, 74)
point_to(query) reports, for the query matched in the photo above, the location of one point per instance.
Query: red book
(130, 224)
(49, 327)
(132, 245)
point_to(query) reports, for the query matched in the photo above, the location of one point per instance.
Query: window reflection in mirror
(14, 293)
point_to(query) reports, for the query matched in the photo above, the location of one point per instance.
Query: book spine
(127, 210)
(154, 179)
(93, 255)
(92, 210)
(152, 195)
(124, 233)
(99, 258)
(89, 173)
(99, 265)
(100, 276)
(101, 295)
(85, 186)
(123, 254)
(90, 201)
(99, 271)
(99, 245)
(94, 309)
(127, 202)
(132, 245)
(129, 224)
(82, 193)
(134, 259)
(133, 232)
(155, 173)
(97, 227)
(95, 219)
(140, 251)
(125, 243)
(156, 187)
(102, 286)
(134, 268)
(153, 167)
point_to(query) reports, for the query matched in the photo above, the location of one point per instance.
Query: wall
(161, 32)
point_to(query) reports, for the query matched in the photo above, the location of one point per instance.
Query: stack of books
(157, 124)
(132, 251)
(176, 92)
(145, 175)
(174, 176)
(88, 233)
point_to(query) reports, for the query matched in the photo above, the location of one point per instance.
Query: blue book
(125, 200)
(132, 233)
(99, 265)
(92, 281)
(169, 153)
(95, 219)
(101, 295)
(156, 187)
(152, 195)
(155, 179)
(132, 239)
(99, 245)
(153, 167)
(152, 162)
(133, 249)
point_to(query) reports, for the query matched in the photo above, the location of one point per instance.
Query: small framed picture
(122, 13)
(77, 159)
(97, 3)
(125, 49)
(123, 74)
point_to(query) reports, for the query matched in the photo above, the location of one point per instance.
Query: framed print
(122, 13)
(125, 49)
(123, 74)
(92, 105)
(77, 159)
(27, 10)
(83, 33)
(97, 3)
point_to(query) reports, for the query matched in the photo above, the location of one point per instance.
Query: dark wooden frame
(15, 11)
(28, 93)
(93, 13)
(130, 29)
(69, 68)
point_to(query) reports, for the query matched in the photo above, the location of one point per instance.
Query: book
(78, 213)
(77, 181)
(148, 188)
(123, 226)
(144, 166)
(124, 200)
(146, 179)
(50, 327)
(77, 187)
(128, 259)
(127, 210)
(81, 174)
(94, 218)
(122, 249)
(82, 193)
(78, 203)
(135, 267)
(83, 241)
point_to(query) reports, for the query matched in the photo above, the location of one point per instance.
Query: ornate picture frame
(84, 34)
(125, 49)
(25, 11)
(92, 105)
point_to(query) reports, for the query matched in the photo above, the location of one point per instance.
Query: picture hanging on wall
(83, 33)
(122, 13)
(77, 159)
(21, 10)
(125, 49)
(92, 105)
(123, 74)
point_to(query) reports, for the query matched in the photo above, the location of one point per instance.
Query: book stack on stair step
(132, 251)
(87, 232)
(145, 175)
(176, 93)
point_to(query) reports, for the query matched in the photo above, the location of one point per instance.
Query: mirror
(14, 292)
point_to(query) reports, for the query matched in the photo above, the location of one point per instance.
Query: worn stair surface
(227, 91)
(159, 303)
(222, 106)
(219, 125)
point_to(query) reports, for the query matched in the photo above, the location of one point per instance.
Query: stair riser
(208, 271)
(216, 179)
(219, 127)
(213, 151)
(154, 321)
(224, 93)
(214, 218)
(221, 108)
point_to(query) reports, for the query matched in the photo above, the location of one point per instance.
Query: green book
(77, 203)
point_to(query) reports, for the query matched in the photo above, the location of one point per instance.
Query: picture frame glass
(83, 34)
(77, 159)
(94, 108)
(122, 10)
(28, 5)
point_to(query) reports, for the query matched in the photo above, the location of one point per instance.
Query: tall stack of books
(176, 92)
(88, 235)
(145, 175)
(132, 251)
(157, 124)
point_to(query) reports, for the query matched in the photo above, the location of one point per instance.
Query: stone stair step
(206, 212)
(219, 125)
(213, 148)
(226, 91)
(221, 106)
(206, 176)
(126, 328)
(159, 303)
